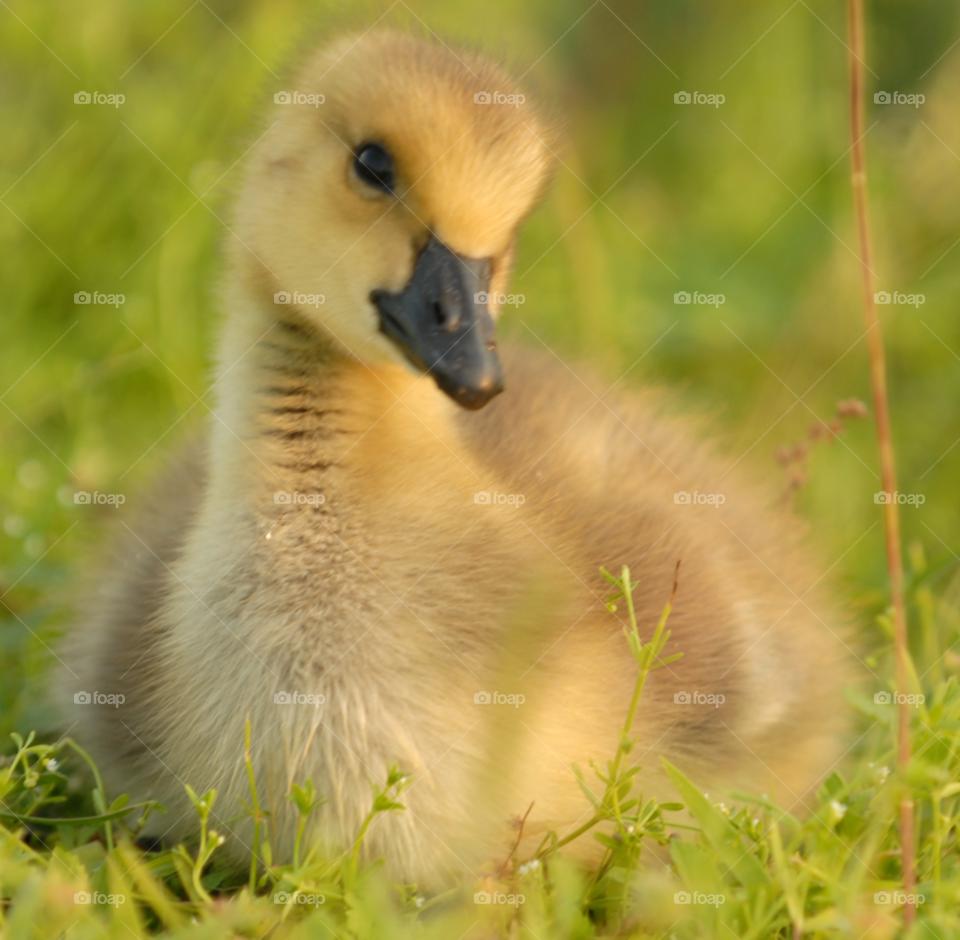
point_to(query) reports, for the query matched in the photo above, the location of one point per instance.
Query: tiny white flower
(839, 809)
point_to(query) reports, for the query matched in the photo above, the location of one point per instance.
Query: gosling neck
(295, 410)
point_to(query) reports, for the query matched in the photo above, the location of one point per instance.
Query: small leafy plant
(746, 867)
(632, 818)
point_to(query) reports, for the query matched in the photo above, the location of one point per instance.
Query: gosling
(378, 558)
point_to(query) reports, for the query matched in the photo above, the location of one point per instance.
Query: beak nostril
(445, 315)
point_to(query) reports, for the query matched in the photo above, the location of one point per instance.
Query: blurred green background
(692, 197)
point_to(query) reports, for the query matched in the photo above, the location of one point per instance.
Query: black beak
(441, 322)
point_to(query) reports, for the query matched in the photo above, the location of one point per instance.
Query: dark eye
(375, 167)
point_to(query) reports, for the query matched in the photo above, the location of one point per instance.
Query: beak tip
(473, 397)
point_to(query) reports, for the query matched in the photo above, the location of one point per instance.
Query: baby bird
(387, 547)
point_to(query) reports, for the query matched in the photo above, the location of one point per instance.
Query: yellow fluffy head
(470, 157)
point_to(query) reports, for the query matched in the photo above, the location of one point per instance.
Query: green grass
(746, 866)
(95, 397)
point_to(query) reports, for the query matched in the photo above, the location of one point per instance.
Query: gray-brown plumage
(399, 597)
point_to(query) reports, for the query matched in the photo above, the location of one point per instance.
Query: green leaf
(119, 802)
(72, 820)
(590, 795)
(607, 842)
(832, 786)
(695, 867)
(305, 798)
(886, 714)
(666, 661)
(718, 830)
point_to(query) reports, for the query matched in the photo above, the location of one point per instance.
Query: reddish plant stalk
(878, 381)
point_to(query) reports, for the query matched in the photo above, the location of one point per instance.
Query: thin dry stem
(878, 381)
(508, 861)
